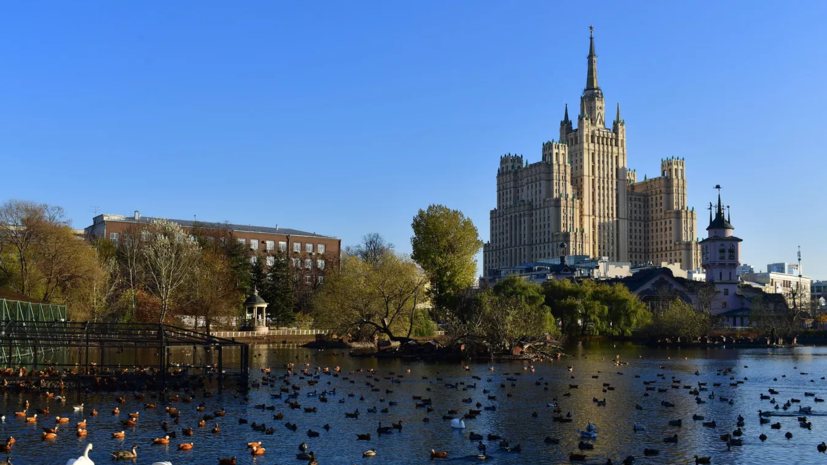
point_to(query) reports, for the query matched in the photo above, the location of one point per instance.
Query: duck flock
(582, 409)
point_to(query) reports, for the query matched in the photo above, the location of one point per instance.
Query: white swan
(162, 463)
(78, 408)
(457, 423)
(83, 459)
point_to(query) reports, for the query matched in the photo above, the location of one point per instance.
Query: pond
(513, 393)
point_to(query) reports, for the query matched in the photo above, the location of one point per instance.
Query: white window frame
(297, 247)
(282, 246)
(271, 245)
(114, 237)
(242, 241)
(253, 259)
(253, 244)
(297, 263)
(308, 263)
(320, 264)
(308, 247)
(320, 248)
(271, 260)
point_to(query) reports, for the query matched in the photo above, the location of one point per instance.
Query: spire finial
(591, 79)
(618, 113)
(720, 207)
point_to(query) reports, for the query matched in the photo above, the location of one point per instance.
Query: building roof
(213, 225)
(721, 238)
(254, 300)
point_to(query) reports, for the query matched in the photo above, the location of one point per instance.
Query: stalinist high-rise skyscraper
(581, 199)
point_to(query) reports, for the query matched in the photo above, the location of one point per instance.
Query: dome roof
(254, 300)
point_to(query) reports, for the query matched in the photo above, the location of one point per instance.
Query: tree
(594, 308)
(495, 320)
(213, 291)
(40, 256)
(22, 225)
(367, 299)
(169, 258)
(101, 286)
(130, 256)
(445, 243)
(679, 320)
(773, 320)
(278, 291)
(372, 248)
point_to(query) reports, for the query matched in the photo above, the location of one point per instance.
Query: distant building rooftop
(138, 219)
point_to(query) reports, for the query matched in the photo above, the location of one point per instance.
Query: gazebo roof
(254, 300)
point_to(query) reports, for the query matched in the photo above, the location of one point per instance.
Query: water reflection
(515, 401)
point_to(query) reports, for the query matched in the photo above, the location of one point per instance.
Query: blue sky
(344, 118)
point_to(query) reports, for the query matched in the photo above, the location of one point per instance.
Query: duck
(369, 453)
(363, 437)
(82, 460)
(762, 437)
(185, 446)
(216, 429)
(125, 454)
(49, 436)
(81, 432)
(475, 437)
(227, 461)
(380, 430)
(671, 439)
(650, 452)
(32, 419)
(577, 457)
(638, 427)
(188, 431)
(250, 445)
(788, 435)
(702, 460)
(257, 451)
(306, 456)
(162, 441)
(438, 455)
(119, 435)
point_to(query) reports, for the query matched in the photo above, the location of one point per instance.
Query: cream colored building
(581, 199)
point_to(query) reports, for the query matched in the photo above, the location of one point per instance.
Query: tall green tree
(366, 299)
(445, 243)
(595, 308)
(278, 291)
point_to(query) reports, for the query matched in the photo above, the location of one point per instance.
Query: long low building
(307, 251)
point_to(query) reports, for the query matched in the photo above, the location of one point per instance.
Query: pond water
(591, 365)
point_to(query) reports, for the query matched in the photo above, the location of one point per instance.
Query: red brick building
(309, 252)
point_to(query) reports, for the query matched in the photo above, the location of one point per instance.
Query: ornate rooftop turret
(720, 221)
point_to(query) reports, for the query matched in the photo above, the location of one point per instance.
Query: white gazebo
(256, 309)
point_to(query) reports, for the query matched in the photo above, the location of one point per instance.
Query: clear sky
(345, 118)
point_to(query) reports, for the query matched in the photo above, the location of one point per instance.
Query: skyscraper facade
(581, 199)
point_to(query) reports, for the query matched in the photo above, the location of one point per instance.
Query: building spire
(618, 113)
(566, 117)
(591, 79)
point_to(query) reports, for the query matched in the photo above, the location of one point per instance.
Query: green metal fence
(15, 312)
